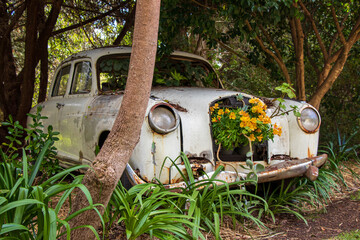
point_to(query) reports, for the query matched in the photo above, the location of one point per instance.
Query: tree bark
(27, 86)
(43, 74)
(110, 163)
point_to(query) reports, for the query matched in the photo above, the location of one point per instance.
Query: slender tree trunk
(110, 163)
(27, 86)
(300, 67)
(9, 86)
(43, 74)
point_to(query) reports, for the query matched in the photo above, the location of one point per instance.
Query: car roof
(99, 52)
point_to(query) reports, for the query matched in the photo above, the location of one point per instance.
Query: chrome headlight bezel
(160, 129)
(300, 122)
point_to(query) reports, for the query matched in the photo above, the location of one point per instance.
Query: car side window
(82, 78)
(61, 81)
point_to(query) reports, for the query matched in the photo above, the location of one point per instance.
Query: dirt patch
(342, 214)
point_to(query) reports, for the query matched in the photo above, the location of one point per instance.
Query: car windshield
(169, 72)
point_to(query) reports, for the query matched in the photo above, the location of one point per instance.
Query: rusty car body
(86, 93)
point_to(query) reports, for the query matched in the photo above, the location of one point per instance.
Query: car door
(73, 109)
(52, 107)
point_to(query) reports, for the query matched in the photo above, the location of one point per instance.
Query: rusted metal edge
(283, 170)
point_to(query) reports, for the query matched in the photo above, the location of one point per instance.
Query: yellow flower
(227, 110)
(243, 113)
(213, 119)
(211, 109)
(232, 116)
(216, 106)
(252, 137)
(219, 117)
(277, 130)
(260, 137)
(245, 119)
(220, 112)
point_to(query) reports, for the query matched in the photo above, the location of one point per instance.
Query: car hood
(191, 98)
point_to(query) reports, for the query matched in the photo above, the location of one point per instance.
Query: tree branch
(202, 5)
(15, 18)
(74, 26)
(354, 32)
(338, 28)
(277, 59)
(313, 25)
(129, 22)
(311, 60)
(241, 56)
(270, 41)
(337, 34)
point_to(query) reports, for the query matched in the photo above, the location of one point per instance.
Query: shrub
(33, 140)
(25, 211)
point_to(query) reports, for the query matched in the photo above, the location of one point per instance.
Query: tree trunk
(27, 86)
(110, 163)
(43, 74)
(9, 86)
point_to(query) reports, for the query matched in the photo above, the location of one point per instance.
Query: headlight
(309, 121)
(163, 118)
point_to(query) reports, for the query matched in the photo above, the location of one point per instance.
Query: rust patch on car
(178, 107)
(199, 160)
(137, 179)
(284, 165)
(281, 157)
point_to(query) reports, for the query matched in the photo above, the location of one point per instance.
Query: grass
(201, 206)
(348, 235)
(25, 211)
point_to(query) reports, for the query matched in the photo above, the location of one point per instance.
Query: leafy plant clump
(26, 200)
(201, 206)
(33, 140)
(25, 207)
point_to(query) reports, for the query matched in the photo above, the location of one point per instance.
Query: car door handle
(59, 105)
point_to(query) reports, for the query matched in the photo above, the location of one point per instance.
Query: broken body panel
(84, 115)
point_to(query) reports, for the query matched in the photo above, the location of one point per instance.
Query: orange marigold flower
(211, 109)
(260, 137)
(216, 106)
(245, 119)
(253, 100)
(277, 130)
(232, 115)
(252, 137)
(242, 112)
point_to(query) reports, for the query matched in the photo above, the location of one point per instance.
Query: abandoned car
(87, 90)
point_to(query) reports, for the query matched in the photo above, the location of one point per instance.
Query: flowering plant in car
(233, 127)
